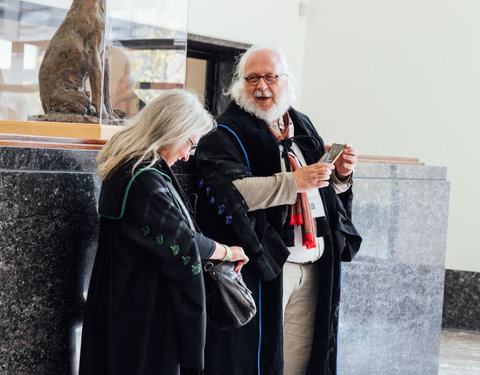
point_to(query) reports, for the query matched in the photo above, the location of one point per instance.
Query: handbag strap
(127, 190)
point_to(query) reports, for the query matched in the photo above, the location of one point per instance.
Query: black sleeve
(223, 212)
(206, 246)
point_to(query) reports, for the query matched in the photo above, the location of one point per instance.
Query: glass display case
(144, 50)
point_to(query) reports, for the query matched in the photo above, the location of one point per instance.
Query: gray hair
(166, 122)
(236, 88)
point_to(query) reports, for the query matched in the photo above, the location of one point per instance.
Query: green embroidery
(159, 239)
(145, 230)
(196, 269)
(175, 249)
(186, 260)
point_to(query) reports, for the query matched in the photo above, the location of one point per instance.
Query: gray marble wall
(392, 292)
(391, 311)
(461, 304)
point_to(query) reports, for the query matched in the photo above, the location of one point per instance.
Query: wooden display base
(15, 140)
(59, 129)
(389, 159)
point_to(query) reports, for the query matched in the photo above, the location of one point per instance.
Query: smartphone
(332, 154)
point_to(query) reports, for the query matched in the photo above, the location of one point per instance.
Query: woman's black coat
(145, 311)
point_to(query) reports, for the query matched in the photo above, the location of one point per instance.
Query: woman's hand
(238, 255)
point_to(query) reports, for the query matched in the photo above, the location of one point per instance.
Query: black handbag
(229, 301)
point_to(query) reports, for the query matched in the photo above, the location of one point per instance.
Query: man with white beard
(263, 188)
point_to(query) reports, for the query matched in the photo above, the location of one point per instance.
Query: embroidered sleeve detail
(186, 259)
(196, 269)
(221, 209)
(145, 230)
(159, 239)
(175, 249)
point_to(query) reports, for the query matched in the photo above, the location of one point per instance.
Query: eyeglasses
(193, 146)
(269, 78)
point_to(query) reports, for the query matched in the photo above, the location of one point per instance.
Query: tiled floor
(459, 353)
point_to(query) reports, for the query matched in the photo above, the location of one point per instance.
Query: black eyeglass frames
(193, 146)
(269, 78)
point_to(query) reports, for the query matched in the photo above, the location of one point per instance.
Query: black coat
(145, 311)
(223, 214)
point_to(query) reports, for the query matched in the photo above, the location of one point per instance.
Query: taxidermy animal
(74, 54)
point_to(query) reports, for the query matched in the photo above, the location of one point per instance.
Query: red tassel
(296, 219)
(309, 241)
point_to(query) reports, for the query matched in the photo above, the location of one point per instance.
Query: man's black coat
(222, 214)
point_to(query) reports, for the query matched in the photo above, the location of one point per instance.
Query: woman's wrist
(228, 253)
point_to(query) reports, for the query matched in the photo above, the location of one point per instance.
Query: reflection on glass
(152, 38)
(30, 54)
(146, 40)
(6, 56)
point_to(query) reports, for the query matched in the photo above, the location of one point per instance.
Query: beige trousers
(300, 289)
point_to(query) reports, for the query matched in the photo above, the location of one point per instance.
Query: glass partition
(144, 40)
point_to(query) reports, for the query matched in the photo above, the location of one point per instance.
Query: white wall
(402, 78)
(275, 22)
(393, 77)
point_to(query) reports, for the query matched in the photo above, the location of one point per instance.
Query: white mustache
(261, 93)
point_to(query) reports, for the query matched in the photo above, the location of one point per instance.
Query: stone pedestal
(48, 234)
(391, 310)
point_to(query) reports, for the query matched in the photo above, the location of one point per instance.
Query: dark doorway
(210, 64)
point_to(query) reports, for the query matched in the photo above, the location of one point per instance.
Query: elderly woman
(145, 311)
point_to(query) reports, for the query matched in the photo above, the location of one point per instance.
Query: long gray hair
(165, 122)
(236, 88)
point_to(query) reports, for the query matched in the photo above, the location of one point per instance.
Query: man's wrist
(341, 186)
(344, 179)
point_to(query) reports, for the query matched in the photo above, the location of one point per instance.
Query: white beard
(272, 114)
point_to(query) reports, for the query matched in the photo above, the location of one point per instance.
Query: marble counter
(392, 293)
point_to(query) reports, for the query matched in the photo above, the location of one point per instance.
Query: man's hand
(313, 176)
(345, 164)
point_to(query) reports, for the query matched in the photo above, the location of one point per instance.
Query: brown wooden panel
(19, 140)
(388, 159)
(51, 129)
(34, 138)
(49, 145)
(378, 157)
